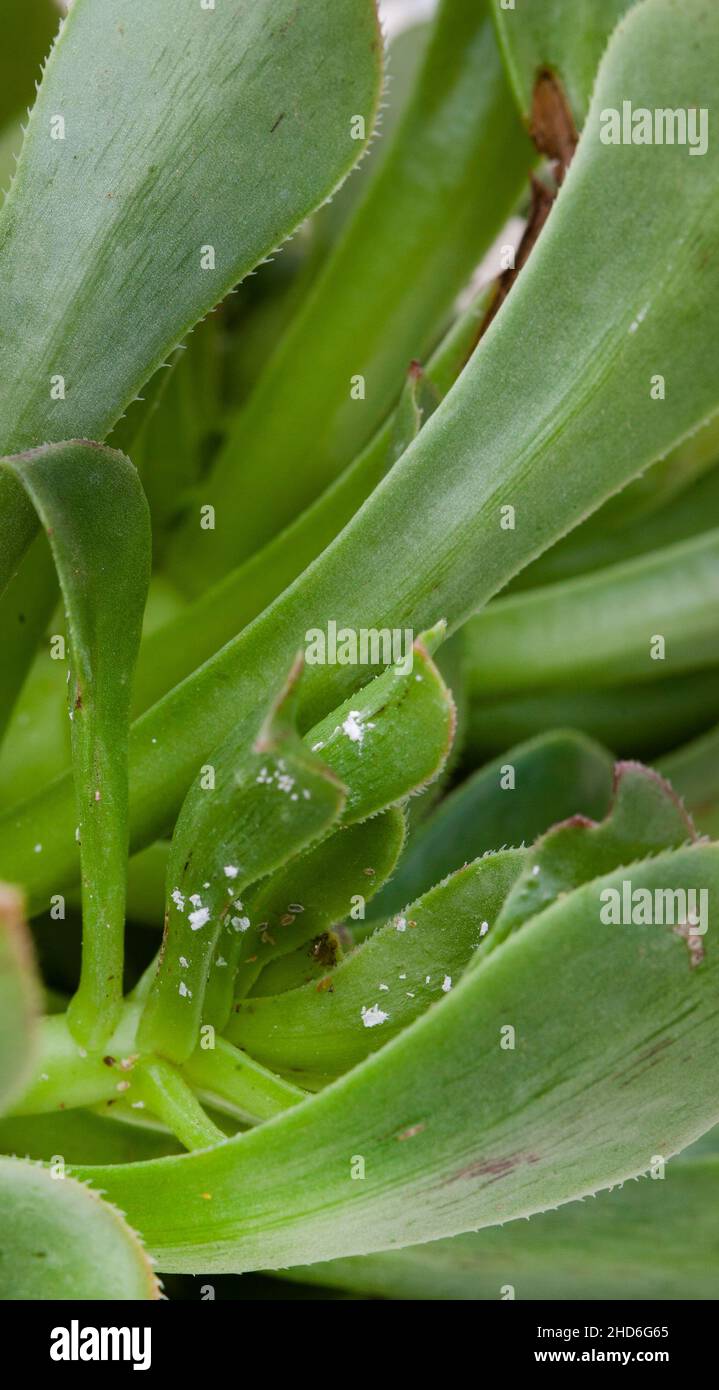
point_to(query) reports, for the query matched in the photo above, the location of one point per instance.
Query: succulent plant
(340, 921)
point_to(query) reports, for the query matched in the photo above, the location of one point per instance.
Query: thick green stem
(162, 1088)
(234, 1082)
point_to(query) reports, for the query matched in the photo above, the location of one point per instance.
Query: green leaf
(111, 277)
(186, 638)
(604, 541)
(61, 1241)
(438, 199)
(601, 628)
(180, 407)
(19, 999)
(174, 648)
(564, 38)
(321, 1030)
(387, 742)
(25, 611)
(506, 803)
(392, 737)
(66, 1076)
(415, 550)
(646, 1240)
(305, 899)
(616, 1029)
(633, 720)
(644, 818)
(82, 1136)
(90, 502)
(405, 53)
(246, 814)
(182, 644)
(308, 962)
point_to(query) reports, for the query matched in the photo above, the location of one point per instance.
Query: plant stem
(160, 1085)
(238, 1084)
(67, 1076)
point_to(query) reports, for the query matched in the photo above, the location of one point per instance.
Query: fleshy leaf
(603, 627)
(305, 899)
(645, 817)
(129, 254)
(387, 742)
(646, 1240)
(274, 128)
(62, 1241)
(509, 802)
(221, 611)
(393, 736)
(457, 1131)
(554, 44)
(322, 1029)
(187, 637)
(636, 720)
(90, 502)
(415, 550)
(380, 300)
(596, 544)
(246, 814)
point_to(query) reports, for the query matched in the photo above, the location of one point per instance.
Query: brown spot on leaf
(410, 1133)
(551, 123)
(695, 943)
(325, 949)
(554, 133)
(494, 1168)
